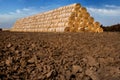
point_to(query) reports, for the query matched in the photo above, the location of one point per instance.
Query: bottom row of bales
(61, 29)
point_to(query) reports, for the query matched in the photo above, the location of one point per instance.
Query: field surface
(59, 56)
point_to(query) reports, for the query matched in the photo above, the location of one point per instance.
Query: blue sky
(107, 12)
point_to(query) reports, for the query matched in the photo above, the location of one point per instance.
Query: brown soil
(60, 56)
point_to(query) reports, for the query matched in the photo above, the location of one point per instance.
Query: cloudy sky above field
(105, 11)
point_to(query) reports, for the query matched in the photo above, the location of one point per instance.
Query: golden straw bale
(78, 19)
(96, 24)
(89, 27)
(71, 18)
(57, 29)
(89, 23)
(81, 29)
(73, 29)
(67, 29)
(79, 14)
(91, 19)
(86, 15)
(83, 9)
(99, 30)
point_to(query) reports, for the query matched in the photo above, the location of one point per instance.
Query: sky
(107, 12)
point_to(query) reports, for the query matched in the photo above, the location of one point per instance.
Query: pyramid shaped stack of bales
(71, 18)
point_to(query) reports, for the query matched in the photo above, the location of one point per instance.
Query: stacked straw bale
(71, 18)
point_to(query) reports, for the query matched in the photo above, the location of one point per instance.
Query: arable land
(59, 56)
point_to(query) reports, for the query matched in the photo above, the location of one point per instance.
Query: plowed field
(59, 56)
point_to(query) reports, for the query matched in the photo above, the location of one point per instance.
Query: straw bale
(91, 19)
(83, 9)
(67, 29)
(96, 24)
(99, 30)
(81, 29)
(78, 19)
(71, 18)
(89, 23)
(72, 29)
(86, 15)
(89, 27)
(79, 14)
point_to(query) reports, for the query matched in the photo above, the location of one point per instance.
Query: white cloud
(18, 11)
(108, 15)
(104, 11)
(112, 6)
(26, 9)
